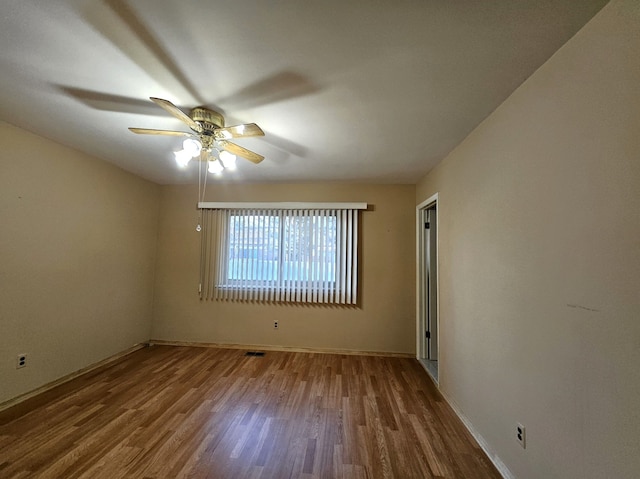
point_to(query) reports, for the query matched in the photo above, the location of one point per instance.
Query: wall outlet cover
(21, 361)
(521, 435)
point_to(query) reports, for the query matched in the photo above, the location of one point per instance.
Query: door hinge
(427, 334)
(426, 225)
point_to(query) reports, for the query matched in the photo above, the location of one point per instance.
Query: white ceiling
(358, 90)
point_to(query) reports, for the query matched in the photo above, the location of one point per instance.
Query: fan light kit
(209, 138)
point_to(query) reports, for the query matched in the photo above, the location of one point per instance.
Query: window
(280, 254)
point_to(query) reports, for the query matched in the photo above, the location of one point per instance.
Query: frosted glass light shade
(182, 158)
(192, 147)
(228, 159)
(215, 167)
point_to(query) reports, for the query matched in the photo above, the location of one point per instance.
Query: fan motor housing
(209, 119)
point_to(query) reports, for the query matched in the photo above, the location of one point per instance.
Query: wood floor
(172, 412)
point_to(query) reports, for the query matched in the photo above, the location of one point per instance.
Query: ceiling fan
(209, 139)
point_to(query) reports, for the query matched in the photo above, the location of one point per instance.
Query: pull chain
(201, 193)
(199, 215)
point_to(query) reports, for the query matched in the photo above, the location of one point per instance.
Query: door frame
(421, 277)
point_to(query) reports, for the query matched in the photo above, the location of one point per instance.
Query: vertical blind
(280, 255)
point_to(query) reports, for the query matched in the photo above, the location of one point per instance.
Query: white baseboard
(488, 450)
(262, 347)
(484, 445)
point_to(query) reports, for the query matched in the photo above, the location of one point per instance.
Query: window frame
(283, 278)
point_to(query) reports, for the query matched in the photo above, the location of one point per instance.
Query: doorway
(427, 304)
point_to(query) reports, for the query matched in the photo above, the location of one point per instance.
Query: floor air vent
(254, 353)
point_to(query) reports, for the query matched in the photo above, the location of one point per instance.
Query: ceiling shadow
(108, 102)
(118, 19)
(285, 145)
(148, 53)
(281, 86)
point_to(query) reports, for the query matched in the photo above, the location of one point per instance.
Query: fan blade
(238, 131)
(147, 131)
(178, 113)
(240, 151)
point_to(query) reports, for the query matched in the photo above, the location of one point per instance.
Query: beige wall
(77, 250)
(384, 322)
(540, 262)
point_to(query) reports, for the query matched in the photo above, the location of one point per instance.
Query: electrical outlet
(21, 361)
(275, 325)
(521, 435)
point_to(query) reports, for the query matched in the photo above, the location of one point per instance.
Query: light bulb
(228, 160)
(198, 228)
(192, 147)
(215, 167)
(182, 158)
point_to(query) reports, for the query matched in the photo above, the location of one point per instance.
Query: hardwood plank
(173, 411)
